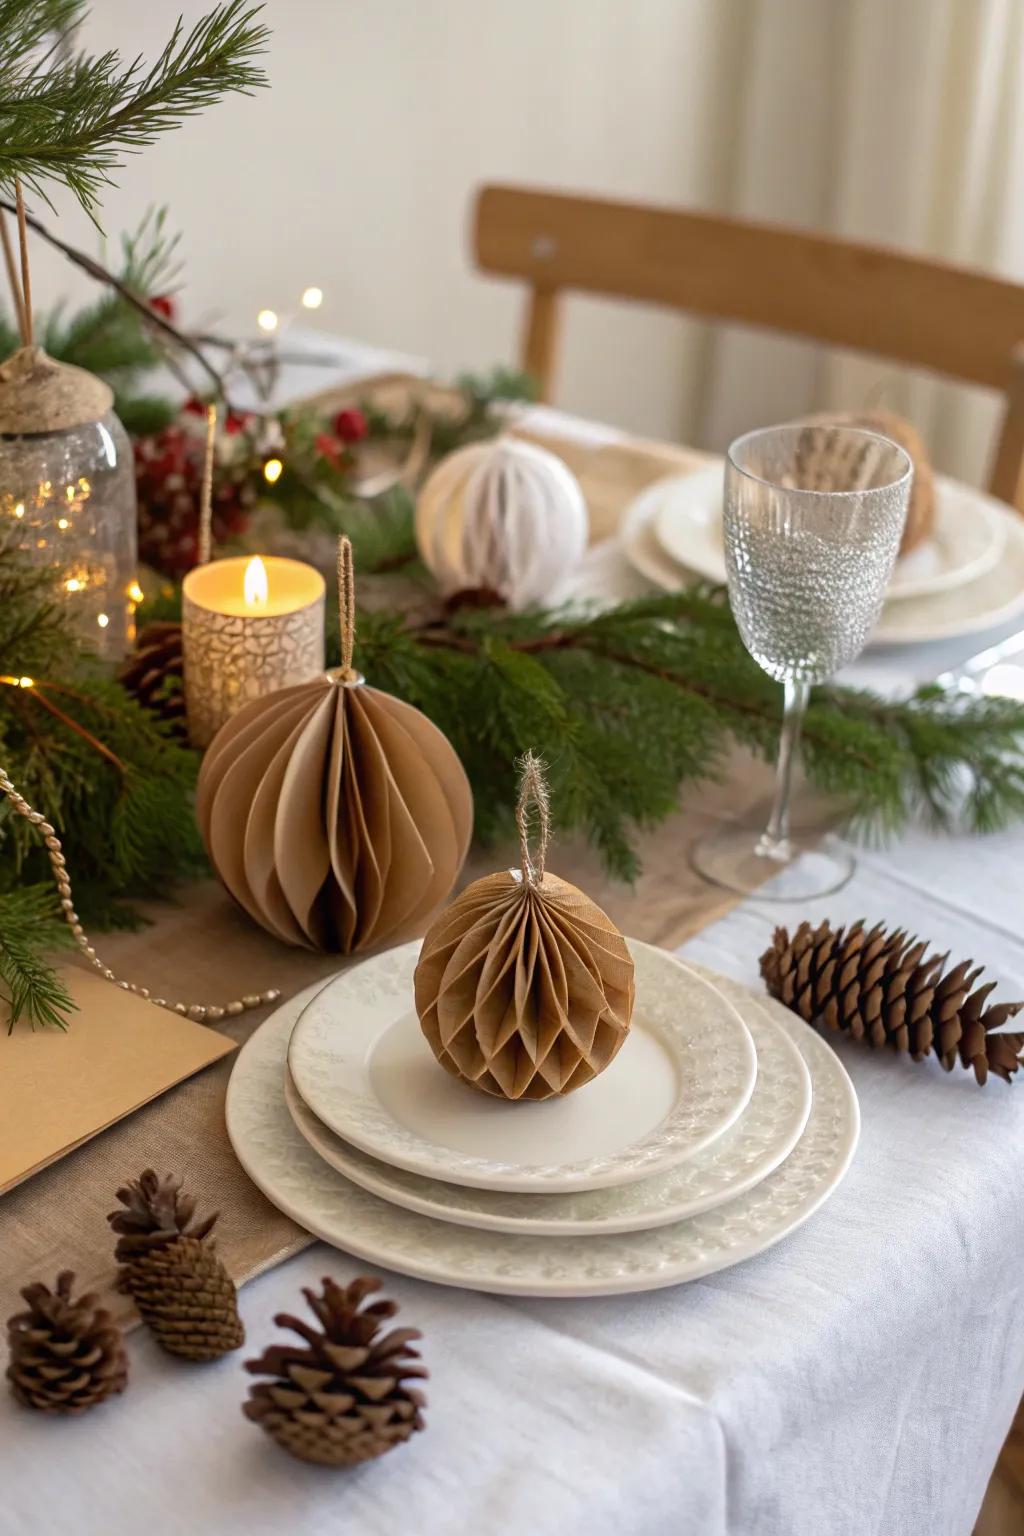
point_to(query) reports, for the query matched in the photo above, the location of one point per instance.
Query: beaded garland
(198, 1011)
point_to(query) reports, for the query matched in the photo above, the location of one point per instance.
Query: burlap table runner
(208, 949)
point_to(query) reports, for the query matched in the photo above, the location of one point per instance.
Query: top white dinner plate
(966, 541)
(684, 1074)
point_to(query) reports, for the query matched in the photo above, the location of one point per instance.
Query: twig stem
(26, 280)
(533, 794)
(100, 274)
(12, 275)
(206, 499)
(346, 606)
(79, 730)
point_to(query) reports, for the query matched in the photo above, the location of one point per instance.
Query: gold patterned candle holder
(249, 627)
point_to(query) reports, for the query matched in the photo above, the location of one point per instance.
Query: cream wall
(898, 121)
(356, 169)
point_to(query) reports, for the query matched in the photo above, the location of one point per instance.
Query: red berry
(329, 448)
(164, 305)
(351, 425)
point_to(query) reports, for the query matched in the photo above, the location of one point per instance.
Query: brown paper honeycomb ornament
(336, 815)
(524, 987)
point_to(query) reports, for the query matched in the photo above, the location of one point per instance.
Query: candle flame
(255, 583)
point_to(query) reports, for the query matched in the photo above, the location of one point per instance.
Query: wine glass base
(742, 860)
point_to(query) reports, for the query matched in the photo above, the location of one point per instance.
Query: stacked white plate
(968, 576)
(720, 1126)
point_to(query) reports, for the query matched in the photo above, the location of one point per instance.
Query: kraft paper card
(59, 1089)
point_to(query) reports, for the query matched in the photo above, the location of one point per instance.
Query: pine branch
(30, 928)
(632, 704)
(74, 122)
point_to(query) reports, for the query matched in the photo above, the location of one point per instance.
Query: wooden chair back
(955, 321)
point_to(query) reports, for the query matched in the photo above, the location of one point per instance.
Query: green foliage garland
(632, 705)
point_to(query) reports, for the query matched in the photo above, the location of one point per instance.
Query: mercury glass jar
(67, 492)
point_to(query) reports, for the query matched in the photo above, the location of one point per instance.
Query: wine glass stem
(777, 834)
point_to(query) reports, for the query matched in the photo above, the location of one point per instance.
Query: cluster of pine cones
(344, 1396)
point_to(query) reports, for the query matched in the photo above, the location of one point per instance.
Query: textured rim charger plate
(968, 579)
(305, 1185)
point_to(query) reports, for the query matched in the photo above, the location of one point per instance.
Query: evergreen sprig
(30, 928)
(73, 120)
(632, 704)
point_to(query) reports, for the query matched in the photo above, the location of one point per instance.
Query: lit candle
(249, 627)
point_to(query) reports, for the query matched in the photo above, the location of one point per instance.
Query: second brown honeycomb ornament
(524, 987)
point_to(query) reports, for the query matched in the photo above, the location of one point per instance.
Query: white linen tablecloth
(856, 1380)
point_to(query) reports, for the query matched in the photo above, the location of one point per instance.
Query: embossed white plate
(300, 1183)
(966, 541)
(765, 1133)
(682, 1077)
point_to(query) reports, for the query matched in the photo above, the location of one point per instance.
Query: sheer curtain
(896, 121)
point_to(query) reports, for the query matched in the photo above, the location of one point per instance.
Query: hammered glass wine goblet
(813, 520)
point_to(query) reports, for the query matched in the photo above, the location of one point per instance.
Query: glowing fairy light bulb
(272, 470)
(267, 320)
(312, 298)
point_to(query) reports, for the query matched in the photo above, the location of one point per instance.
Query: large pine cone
(184, 1294)
(343, 1399)
(65, 1356)
(883, 988)
(154, 674)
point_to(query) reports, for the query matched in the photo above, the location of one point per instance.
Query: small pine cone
(154, 674)
(65, 1356)
(186, 1298)
(184, 1294)
(885, 988)
(343, 1399)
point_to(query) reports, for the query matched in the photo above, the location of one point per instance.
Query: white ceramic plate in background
(967, 539)
(301, 1184)
(762, 1137)
(980, 605)
(988, 601)
(683, 1076)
